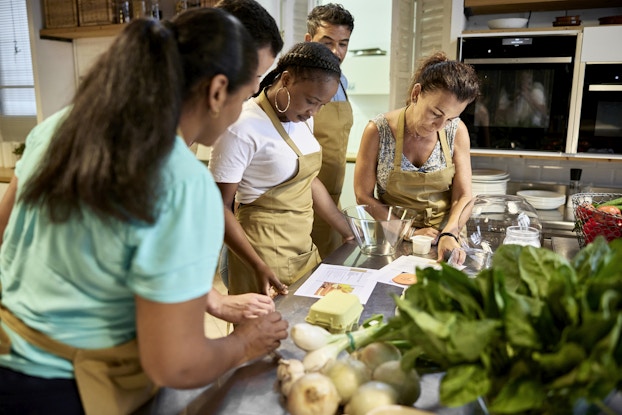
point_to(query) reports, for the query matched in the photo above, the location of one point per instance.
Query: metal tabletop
(252, 389)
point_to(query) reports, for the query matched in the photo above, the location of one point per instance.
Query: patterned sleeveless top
(386, 153)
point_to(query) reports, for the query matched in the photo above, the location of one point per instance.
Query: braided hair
(306, 61)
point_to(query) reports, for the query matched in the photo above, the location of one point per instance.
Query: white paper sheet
(406, 264)
(358, 281)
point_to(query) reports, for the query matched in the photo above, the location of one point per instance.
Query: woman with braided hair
(268, 161)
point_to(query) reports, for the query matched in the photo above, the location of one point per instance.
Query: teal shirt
(76, 281)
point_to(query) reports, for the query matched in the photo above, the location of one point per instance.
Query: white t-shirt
(252, 153)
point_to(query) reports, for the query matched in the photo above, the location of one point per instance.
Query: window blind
(17, 93)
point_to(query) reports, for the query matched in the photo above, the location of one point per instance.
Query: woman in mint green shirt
(116, 228)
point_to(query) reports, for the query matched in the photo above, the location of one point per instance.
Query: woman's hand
(261, 335)
(269, 282)
(420, 231)
(238, 308)
(427, 232)
(445, 245)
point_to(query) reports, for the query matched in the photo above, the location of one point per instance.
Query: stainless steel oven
(600, 120)
(526, 90)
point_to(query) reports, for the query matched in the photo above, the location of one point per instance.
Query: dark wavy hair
(305, 60)
(108, 152)
(437, 72)
(330, 13)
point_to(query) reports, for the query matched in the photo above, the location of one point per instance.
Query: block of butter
(337, 312)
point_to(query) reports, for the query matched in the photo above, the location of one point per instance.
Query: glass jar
(521, 235)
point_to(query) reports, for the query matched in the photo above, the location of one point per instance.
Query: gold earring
(214, 113)
(276, 103)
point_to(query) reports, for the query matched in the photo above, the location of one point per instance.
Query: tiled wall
(595, 173)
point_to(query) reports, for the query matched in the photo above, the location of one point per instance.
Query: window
(18, 108)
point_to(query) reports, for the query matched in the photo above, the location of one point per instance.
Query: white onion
(347, 375)
(371, 395)
(407, 384)
(309, 337)
(377, 353)
(313, 394)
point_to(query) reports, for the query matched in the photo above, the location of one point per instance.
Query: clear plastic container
(525, 236)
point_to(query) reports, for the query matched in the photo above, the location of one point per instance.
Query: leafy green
(535, 332)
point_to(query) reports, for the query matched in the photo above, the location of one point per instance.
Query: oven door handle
(605, 88)
(566, 59)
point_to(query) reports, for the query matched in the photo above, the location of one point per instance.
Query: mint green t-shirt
(76, 281)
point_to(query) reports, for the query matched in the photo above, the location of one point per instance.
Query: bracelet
(447, 234)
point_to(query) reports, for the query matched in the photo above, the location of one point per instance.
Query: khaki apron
(110, 381)
(428, 193)
(331, 128)
(278, 223)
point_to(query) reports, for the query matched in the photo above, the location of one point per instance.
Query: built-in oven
(526, 89)
(600, 120)
(598, 125)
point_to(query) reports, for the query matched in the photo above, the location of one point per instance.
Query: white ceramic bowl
(508, 23)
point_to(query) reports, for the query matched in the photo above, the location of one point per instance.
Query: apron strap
(35, 337)
(445, 147)
(399, 140)
(344, 90)
(263, 102)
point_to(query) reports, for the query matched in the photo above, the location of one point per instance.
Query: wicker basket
(96, 12)
(591, 222)
(60, 13)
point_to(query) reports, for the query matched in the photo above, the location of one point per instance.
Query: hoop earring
(276, 103)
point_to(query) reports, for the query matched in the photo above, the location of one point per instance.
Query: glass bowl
(484, 221)
(379, 229)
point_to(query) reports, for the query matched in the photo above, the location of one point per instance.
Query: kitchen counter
(6, 174)
(251, 389)
(556, 222)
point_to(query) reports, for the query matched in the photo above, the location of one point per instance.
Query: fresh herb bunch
(532, 334)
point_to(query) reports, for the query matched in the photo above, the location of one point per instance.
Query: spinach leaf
(463, 384)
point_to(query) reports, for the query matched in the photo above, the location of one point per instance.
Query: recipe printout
(402, 272)
(350, 280)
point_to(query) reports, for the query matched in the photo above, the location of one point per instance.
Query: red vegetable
(596, 226)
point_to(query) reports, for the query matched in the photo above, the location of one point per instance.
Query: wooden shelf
(527, 30)
(71, 33)
(514, 6)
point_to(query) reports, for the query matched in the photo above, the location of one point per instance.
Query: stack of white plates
(543, 199)
(489, 182)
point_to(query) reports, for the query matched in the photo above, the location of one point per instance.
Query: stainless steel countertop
(251, 389)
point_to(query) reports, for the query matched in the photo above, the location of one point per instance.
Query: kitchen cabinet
(513, 6)
(71, 33)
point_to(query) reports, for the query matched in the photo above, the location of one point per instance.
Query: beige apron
(331, 128)
(278, 223)
(110, 381)
(428, 193)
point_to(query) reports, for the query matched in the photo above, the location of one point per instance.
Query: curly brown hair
(437, 72)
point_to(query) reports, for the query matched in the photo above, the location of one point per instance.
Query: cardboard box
(337, 312)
